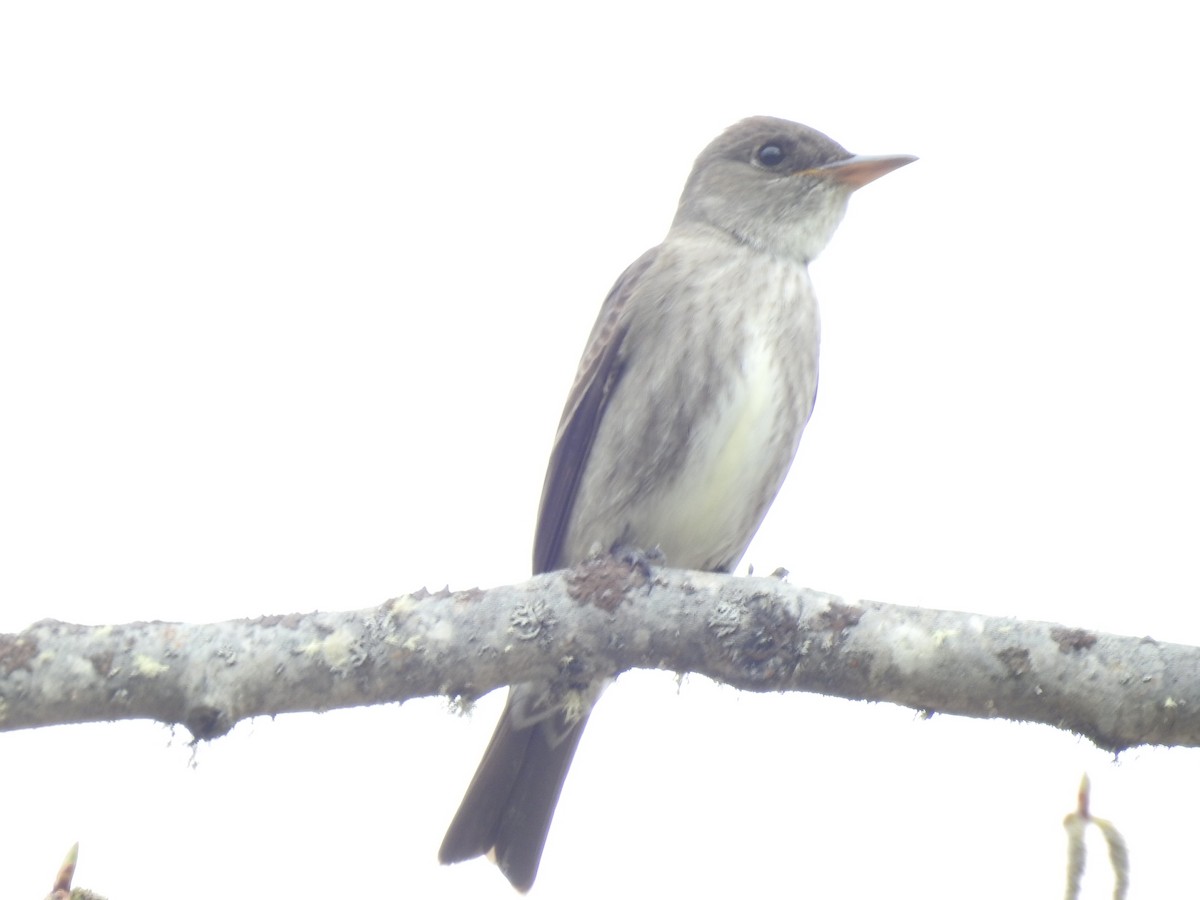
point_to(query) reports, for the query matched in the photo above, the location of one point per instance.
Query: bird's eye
(769, 155)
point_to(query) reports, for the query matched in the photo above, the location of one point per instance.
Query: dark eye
(769, 155)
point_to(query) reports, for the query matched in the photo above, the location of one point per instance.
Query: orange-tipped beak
(859, 170)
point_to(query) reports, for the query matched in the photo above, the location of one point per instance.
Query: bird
(694, 388)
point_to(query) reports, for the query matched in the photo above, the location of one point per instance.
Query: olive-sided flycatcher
(697, 381)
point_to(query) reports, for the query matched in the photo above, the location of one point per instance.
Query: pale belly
(707, 514)
(719, 374)
(697, 480)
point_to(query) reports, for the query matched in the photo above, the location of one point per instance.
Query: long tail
(509, 804)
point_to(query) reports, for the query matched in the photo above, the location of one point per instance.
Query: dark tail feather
(511, 799)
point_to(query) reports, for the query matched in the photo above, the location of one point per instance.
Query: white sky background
(292, 296)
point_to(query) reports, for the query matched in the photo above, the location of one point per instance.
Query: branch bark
(598, 620)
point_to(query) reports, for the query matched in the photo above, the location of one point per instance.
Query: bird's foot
(638, 558)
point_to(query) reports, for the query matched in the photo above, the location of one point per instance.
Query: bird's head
(777, 185)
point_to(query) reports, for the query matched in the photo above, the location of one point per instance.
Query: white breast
(740, 455)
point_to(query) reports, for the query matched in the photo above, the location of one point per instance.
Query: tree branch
(598, 620)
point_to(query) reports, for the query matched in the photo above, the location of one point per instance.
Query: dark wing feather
(599, 372)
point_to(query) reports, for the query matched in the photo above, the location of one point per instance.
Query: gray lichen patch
(531, 620)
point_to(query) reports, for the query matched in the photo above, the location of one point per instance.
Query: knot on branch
(757, 635)
(605, 581)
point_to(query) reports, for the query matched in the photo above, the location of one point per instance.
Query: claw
(639, 559)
